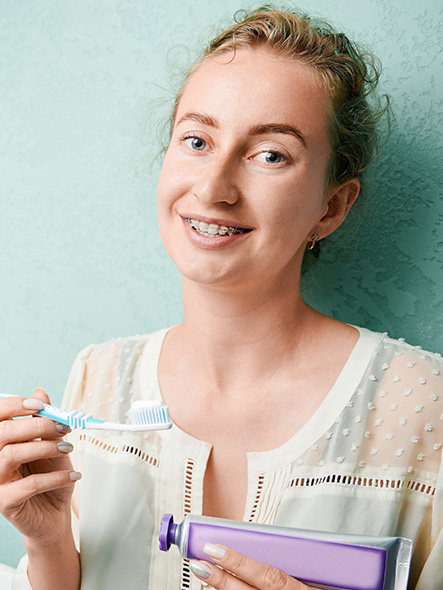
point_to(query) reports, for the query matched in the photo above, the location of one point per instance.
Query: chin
(209, 276)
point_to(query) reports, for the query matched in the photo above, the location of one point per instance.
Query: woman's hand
(36, 475)
(237, 572)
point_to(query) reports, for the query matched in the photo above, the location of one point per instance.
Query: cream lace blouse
(368, 462)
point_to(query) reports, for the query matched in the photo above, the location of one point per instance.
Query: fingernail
(62, 428)
(200, 569)
(214, 550)
(75, 476)
(33, 404)
(65, 447)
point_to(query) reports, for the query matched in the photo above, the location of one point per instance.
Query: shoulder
(120, 348)
(106, 372)
(403, 393)
(397, 355)
(408, 363)
(407, 383)
(402, 378)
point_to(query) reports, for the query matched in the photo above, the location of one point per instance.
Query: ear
(339, 200)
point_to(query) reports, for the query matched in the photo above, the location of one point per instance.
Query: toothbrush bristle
(149, 415)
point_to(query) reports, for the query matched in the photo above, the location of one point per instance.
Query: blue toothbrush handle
(72, 419)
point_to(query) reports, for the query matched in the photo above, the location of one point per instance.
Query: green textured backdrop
(81, 259)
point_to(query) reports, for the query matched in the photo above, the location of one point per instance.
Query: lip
(217, 220)
(210, 243)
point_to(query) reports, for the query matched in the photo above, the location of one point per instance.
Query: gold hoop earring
(314, 239)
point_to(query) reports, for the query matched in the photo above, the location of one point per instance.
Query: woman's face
(249, 150)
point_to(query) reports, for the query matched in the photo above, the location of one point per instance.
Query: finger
(27, 429)
(41, 394)
(256, 574)
(18, 492)
(11, 407)
(216, 577)
(12, 457)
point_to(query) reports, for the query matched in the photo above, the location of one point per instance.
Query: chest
(225, 484)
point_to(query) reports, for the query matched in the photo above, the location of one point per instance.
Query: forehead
(253, 84)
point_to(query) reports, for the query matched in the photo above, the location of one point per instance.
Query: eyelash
(186, 136)
(277, 153)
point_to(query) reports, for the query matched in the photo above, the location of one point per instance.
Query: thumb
(41, 394)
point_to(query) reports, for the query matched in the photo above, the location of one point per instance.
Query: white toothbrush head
(150, 415)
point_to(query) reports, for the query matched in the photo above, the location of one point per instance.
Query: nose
(216, 182)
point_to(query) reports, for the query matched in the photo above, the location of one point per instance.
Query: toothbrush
(144, 415)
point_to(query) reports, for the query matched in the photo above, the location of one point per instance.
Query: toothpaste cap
(167, 532)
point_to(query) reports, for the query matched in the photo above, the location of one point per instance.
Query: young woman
(282, 415)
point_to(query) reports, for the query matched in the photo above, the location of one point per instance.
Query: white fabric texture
(367, 462)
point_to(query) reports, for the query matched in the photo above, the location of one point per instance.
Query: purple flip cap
(167, 532)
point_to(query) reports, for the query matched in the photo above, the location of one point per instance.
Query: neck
(252, 332)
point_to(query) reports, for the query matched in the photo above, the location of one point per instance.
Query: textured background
(82, 87)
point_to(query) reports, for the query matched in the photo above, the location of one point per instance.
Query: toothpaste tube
(324, 560)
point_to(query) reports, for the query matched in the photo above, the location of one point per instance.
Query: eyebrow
(260, 129)
(200, 118)
(278, 128)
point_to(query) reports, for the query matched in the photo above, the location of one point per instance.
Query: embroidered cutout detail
(98, 443)
(186, 575)
(91, 439)
(186, 572)
(261, 480)
(363, 481)
(139, 453)
(188, 486)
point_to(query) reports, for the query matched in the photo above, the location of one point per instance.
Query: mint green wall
(80, 258)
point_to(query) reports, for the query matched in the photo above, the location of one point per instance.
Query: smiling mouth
(212, 230)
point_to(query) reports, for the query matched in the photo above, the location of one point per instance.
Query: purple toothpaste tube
(332, 561)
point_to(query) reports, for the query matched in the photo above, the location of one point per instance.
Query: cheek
(168, 184)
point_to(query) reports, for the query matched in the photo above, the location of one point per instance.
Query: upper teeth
(212, 229)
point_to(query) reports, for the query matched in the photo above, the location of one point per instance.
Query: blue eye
(195, 143)
(271, 157)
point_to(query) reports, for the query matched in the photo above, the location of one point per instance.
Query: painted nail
(65, 447)
(75, 476)
(33, 404)
(214, 550)
(200, 569)
(62, 428)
